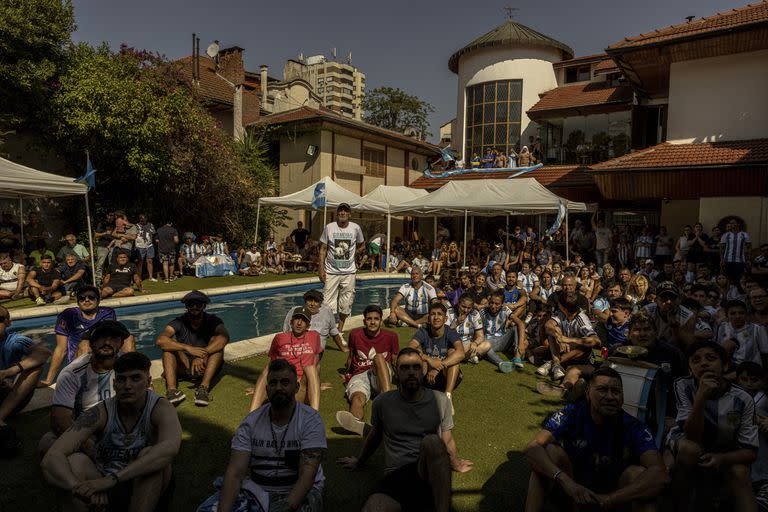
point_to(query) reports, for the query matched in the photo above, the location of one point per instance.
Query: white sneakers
(544, 369)
(348, 422)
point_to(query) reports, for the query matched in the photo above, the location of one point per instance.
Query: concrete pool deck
(234, 351)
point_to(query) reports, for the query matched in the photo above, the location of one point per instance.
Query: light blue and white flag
(318, 201)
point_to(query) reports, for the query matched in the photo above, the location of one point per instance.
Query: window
(577, 74)
(493, 116)
(374, 161)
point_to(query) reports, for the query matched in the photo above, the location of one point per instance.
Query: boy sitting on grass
(715, 440)
(752, 377)
(742, 340)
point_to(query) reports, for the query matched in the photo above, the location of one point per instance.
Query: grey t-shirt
(323, 322)
(404, 424)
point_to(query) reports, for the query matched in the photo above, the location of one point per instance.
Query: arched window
(493, 116)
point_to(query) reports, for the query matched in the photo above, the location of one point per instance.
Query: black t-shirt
(165, 235)
(300, 236)
(46, 278)
(121, 277)
(102, 227)
(67, 271)
(479, 295)
(554, 302)
(197, 338)
(11, 228)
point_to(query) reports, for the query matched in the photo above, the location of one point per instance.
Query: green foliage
(156, 147)
(394, 109)
(33, 35)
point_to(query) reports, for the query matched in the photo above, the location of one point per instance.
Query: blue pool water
(246, 315)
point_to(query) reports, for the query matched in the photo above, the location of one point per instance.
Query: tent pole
(325, 212)
(465, 239)
(567, 241)
(389, 242)
(506, 228)
(90, 238)
(434, 233)
(22, 243)
(256, 231)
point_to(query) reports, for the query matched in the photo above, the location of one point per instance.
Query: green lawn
(496, 415)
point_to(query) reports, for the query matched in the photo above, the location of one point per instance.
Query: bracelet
(557, 474)
(21, 368)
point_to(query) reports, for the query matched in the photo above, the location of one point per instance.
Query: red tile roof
(701, 154)
(583, 95)
(585, 59)
(605, 65)
(212, 86)
(549, 176)
(736, 18)
(323, 114)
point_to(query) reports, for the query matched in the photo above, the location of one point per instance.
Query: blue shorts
(146, 253)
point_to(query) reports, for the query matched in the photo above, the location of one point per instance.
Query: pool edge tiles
(138, 300)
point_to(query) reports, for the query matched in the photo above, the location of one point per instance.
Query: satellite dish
(213, 49)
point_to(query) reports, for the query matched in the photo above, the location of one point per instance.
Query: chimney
(263, 85)
(230, 65)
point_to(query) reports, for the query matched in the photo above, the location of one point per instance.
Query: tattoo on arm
(86, 420)
(311, 455)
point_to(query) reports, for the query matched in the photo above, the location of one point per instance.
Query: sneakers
(518, 362)
(153, 279)
(557, 372)
(175, 396)
(62, 300)
(202, 396)
(40, 301)
(349, 423)
(474, 360)
(550, 390)
(544, 369)
(506, 367)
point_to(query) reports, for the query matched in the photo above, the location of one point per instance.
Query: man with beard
(131, 470)
(675, 324)
(119, 281)
(417, 295)
(338, 244)
(72, 326)
(322, 320)
(197, 352)
(276, 453)
(415, 424)
(592, 453)
(87, 381)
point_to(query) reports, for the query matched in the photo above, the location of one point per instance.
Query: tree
(396, 110)
(157, 148)
(33, 36)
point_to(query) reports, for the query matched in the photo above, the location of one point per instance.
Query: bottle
(605, 353)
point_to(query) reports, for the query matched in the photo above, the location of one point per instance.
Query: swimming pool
(246, 315)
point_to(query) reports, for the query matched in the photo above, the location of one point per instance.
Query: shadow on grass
(507, 487)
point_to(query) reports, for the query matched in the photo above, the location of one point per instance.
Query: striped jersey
(192, 251)
(735, 246)
(528, 282)
(663, 330)
(79, 387)
(466, 328)
(495, 325)
(578, 327)
(218, 248)
(751, 339)
(417, 299)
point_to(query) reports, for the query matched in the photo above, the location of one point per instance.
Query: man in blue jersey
(72, 325)
(21, 363)
(87, 381)
(133, 469)
(593, 454)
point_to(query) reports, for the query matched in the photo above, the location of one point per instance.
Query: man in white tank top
(137, 436)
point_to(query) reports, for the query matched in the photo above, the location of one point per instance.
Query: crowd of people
(698, 316)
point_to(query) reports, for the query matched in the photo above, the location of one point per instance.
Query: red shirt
(299, 351)
(364, 348)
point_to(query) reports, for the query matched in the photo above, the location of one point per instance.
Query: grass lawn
(496, 415)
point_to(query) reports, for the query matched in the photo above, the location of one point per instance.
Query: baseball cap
(649, 262)
(667, 288)
(314, 294)
(196, 296)
(108, 328)
(344, 206)
(303, 312)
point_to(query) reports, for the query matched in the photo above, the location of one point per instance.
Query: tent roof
(17, 180)
(392, 195)
(335, 194)
(488, 197)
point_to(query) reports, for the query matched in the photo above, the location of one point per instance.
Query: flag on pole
(558, 221)
(319, 198)
(89, 178)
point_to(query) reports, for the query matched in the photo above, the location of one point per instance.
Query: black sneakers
(202, 397)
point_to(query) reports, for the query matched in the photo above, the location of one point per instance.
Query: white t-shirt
(603, 238)
(417, 299)
(10, 278)
(753, 342)
(78, 387)
(270, 464)
(342, 244)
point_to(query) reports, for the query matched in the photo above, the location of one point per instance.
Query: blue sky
(397, 43)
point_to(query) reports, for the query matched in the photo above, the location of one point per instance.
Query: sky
(396, 43)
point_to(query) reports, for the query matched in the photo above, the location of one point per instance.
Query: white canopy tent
(391, 195)
(490, 197)
(19, 181)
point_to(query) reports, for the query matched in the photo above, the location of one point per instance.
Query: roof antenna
(510, 11)
(690, 18)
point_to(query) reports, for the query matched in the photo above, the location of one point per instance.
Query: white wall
(719, 98)
(754, 211)
(531, 64)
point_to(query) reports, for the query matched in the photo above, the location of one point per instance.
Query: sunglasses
(87, 296)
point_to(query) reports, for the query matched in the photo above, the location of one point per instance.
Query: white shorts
(339, 292)
(9, 286)
(366, 383)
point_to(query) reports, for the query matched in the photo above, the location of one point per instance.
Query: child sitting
(751, 376)
(742, 340)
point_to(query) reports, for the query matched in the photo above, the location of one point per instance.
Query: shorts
(7, 391)
(116, 290)
(339, 292)
(366, 383)
(10, 286)
(120, 496)
(405, 486)
(415, 315)
(167, 256)
(146, 253)
(440, 382)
